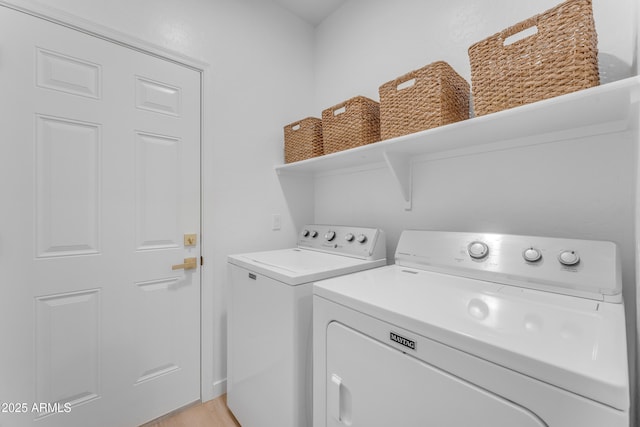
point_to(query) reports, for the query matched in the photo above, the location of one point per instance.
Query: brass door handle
(189, 264)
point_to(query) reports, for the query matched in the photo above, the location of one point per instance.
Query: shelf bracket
(401, 169)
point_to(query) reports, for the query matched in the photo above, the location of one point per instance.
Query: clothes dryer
(474, 329)
(269, 320)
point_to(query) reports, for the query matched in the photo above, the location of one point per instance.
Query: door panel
(158, 173)
(99, 177)
(67, 187)
(158, 97)
(60, 72)
(68, 347)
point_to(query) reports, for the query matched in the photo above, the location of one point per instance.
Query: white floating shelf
(596, 111)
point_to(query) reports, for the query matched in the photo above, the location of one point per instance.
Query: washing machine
(269, 320)
(471, 329)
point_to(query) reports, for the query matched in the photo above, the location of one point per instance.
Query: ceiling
(312, 11)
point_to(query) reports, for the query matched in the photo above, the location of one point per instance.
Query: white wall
(636, 66)
(260, 78)
(581, 188)
(368, 42)
(267, 69)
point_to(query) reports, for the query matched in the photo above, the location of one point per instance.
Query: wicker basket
(350, 124)
(303, 140)
(560, 58)
(438, 96)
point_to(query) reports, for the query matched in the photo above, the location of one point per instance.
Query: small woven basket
(303, 140)
(561, 57)
(350, 124)
(438, 96)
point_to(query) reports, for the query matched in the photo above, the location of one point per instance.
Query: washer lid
(573, 343)
(296, 266)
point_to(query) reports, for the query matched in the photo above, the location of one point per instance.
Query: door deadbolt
(190, 239)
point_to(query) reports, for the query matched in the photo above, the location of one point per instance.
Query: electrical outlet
(276, 222)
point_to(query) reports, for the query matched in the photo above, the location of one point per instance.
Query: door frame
(208, 390)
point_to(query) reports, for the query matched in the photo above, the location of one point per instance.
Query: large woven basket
(561, 57)
(436, 97)
(350, 124)
(303, 140)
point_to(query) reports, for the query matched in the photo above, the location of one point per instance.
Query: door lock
(190, 239)
(189, 264)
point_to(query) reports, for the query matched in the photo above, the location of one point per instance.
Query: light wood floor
(213, 413)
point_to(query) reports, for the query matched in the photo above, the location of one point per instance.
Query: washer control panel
(532, 254)
(569, 257)
(478, 250)
(361, 242)
(585, 268)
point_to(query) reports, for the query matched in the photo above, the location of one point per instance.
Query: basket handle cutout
(296, 126)
(340, 110)
(521, 35)
(406, 84)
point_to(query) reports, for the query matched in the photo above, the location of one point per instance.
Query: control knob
(532, 254)
(569, 258)
(361, 238)
(305, 233)
(478, 250)
(330, 235)
(349, 237)
(314, 234)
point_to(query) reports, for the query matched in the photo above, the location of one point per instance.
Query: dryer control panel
(359, 242)
(585, 268)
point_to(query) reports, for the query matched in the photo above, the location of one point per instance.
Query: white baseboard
(219, 388)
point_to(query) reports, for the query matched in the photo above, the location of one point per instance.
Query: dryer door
(370, 384)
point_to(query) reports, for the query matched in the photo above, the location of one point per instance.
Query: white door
(370, 384)
(99, 182)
